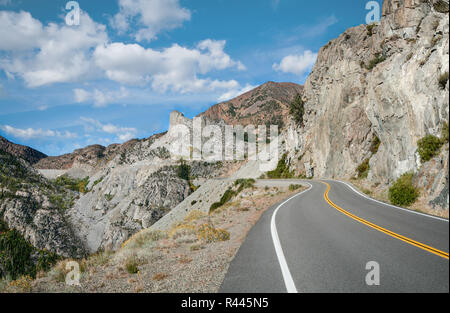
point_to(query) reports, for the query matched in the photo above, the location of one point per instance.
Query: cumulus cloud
(235, 93)
(151, 16)
(31, 133)
(44, 55)
(297, 64)
(98, 97)
(122, 133)
(56, 53)
(175, 68)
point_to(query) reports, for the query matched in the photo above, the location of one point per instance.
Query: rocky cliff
(383, 81)
(36, 208)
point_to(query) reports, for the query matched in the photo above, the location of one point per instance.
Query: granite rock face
(379, 80)
(27, 205)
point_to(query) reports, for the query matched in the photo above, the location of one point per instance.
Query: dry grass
(380, 193)
(196, 252)
(21, 285)
(160, 276)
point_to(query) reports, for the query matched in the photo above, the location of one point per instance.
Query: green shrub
(244, 184)
(444, 133)
(442, 80)
(19, 258)
(428, 147)
(98, 181)
(403, 192)
(375, 145)
(297, 109)
(369, 29)
(46, 260)
(227, 196)
(78, 185)
(215, 206)
(375, 61)
(294, 187)
(15, 255)
(132, 265)
(363, 169)
(184, 170)
(282, 170)
(230, 193)
(3, 226)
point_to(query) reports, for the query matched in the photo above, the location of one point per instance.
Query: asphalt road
(312, 245)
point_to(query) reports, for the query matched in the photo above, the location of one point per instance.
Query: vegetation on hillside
(282, 170)
(18, 183)
(78, 185)
(375, 145)
(445, 133)
(378, 58)
(428, 147)
(403, 192)
(363, 169)
(369, 29)
(184, 170)
(442, 80)
(240, 185)
(297, 110)
(17, 256)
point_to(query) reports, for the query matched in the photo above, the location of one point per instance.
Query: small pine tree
(297, 109)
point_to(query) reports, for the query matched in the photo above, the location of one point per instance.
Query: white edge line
(288, 281)
(387, 204)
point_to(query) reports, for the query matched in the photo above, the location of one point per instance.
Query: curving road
(322, 239)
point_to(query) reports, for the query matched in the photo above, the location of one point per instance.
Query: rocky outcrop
(379, 80)
(89, 155)
(29, 204)
(133, 186)
(266, 104)
(28, 154)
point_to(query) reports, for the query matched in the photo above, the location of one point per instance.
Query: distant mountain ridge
(30, 155)
(266, 104)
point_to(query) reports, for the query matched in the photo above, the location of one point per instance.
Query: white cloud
(297, 64)
(81, 95)
(122, 133)
(175, 68)
(31, 133)
(99, 98)
(235, 93)
(51, 54)
(152, 16)
(56, 53)
(19, 31)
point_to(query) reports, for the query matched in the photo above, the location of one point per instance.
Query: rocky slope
(36, 208)
(379, 80)
(266, 104)
(30, 155)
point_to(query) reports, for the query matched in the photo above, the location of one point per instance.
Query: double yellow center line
(383, 230)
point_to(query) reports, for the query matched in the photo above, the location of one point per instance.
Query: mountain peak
(266, 104)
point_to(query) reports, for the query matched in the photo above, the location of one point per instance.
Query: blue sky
(120, 72)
